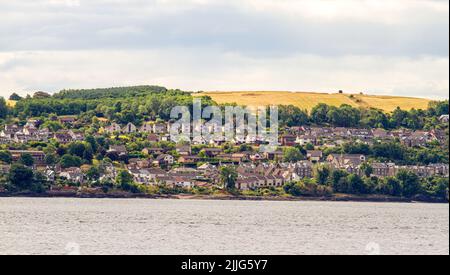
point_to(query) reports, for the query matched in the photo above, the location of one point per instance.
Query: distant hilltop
(308, 100)
(303, 100)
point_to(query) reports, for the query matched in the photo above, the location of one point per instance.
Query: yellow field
(307, 101)
(11, 103)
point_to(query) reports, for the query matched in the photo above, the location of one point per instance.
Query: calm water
(72, 226)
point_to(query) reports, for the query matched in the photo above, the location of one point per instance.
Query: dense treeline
(398, 153)
(135, 104)
(405, 184)
(348, 116)
(123, 105)
(118, 92)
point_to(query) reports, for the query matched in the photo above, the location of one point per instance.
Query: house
(10, 130)
(444, 118)
(110, 172)
(153, 138)
(119, 149)
(416, 139)
(200, 140)
(257, 157)
(147, 176)
(146, 128)
(153, 151)
(163, 160)
(288, 140)
(314, 155)
(67, 119)
(381, 134)
(38, 156)
(74, 175)
(22, 138)
(139, 163)
(113, 128)
(63, 137)
(439, 135)
(160, 128)
(307, 139)
(129, 128)
(141, 176)
(212, 152)
(207, 167)
(189, 159)
(76, 136)
(275, 155)
(384, 169)
(236, 158)
(184, 150)
(350, 163)
(362, 134)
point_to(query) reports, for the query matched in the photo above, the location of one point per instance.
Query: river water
(116, 226)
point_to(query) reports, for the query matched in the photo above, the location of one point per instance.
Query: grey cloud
(221, 26)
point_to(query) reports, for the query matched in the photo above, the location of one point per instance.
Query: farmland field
(11, 103)
(309, 100)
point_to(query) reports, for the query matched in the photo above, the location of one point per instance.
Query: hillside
(309, 100)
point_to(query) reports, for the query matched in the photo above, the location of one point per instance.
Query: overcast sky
(398, 47)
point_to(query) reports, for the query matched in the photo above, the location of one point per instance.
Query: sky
(382, 47)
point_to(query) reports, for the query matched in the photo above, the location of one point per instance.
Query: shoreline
(334, 198)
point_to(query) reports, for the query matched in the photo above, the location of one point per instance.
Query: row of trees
(123, 105)
(404, 184)
(348, 116)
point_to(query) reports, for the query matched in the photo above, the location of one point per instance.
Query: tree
(322, 174)
(68, 161)
(124, 180)
(51, 159)
(3, 108)
(77, 149)
(439, 108)
(15, 97)
(292, 154)
(93, 174)
(357, 149)
(21, 177)
(27, 160)
(374, 118)
(392, 151)
(53, 126)
(440, 188)
(292, 116)
(228, 177)
(319, 114)
(93, 142)
(367, 169)
(40, 183)
(410, 182)
(338, 180)
(6, 157)
(356, 185)
(344, 116)
(393, 187)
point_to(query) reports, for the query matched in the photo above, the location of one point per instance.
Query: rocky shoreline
(125, 195)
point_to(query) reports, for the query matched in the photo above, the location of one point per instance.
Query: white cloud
(206, 69)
